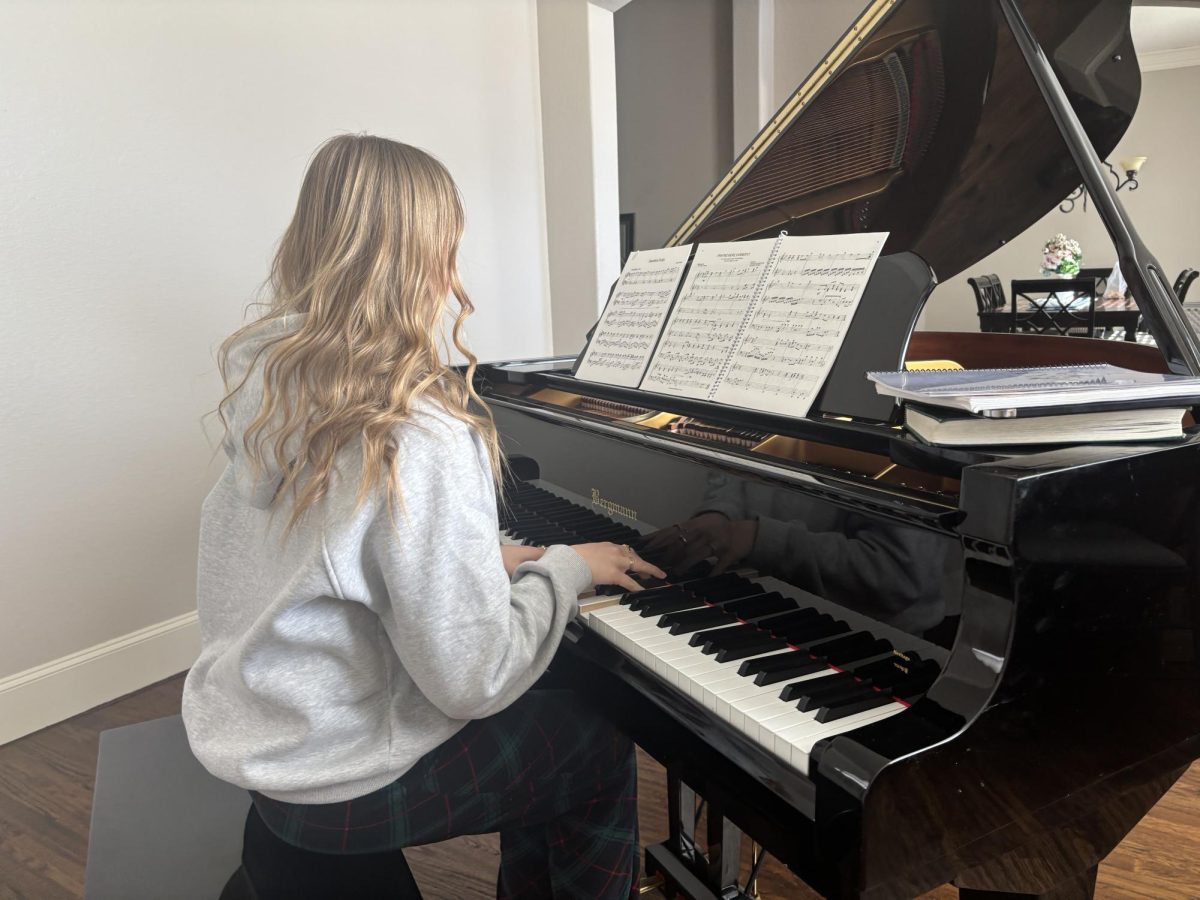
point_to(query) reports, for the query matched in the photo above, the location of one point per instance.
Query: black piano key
(534, 533)
(647, 594)
(751, 640)
(644, 598)
(570, 517)
(791, 617)
(669, 605)
(647, 582)
(812, 692)
(840, 711)
(838, 701)
(712, 640)
(850, 640)
(797, 666)
(757, 606)
(693, 585)
(729, 592)
(709, 584)
(796, 689)
(852, 651)
(696, 619)
(803, 635)
(700, 638)
(544, 540)
(834, 695)
(764, 644)
(832, 679)
(786, 623)
(598, 535)
(553, 506)
(733, 637)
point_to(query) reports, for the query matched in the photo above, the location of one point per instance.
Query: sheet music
(797, 326)
(624, 339)
(707, 317)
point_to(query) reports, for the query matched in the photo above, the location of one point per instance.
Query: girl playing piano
(368, 644)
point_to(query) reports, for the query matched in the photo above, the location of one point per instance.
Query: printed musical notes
(707, 318)
(793, 332)
(757, 324)
(625, 337)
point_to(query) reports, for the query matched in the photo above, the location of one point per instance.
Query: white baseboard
(65, 687)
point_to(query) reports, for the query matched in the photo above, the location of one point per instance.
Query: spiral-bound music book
(756, 324)
(1039, 390)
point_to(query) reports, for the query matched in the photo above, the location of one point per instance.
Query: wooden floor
(46, 795)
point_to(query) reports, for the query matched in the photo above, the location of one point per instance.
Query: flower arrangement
(1061, 256)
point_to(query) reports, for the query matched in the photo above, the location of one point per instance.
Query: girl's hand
(609, 564)
(513, 555)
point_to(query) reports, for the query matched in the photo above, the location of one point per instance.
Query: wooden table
(1117, 312)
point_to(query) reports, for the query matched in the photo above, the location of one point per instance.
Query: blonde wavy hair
(370, 257)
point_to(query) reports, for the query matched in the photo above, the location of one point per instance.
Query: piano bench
(163, 827)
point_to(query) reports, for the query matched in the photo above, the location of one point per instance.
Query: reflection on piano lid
(924, 665)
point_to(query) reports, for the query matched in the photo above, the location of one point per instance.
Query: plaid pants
(557, 780)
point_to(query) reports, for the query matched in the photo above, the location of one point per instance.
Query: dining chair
(1183, 282)
(1063, 306)
(1101, 276)
(989, 292)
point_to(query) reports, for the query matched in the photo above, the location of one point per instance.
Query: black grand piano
(893, 666)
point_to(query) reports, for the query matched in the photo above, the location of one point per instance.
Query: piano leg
(677, 865)
(724, 851)
(1080, 887)
(681, 818)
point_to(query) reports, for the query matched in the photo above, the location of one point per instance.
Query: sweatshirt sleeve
(471, 640)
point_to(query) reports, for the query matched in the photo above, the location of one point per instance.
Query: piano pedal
(651, 883)
(756, 858)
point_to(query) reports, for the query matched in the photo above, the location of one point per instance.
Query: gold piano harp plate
(659, 421)
(796, 104)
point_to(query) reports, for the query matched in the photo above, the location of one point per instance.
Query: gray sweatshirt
(334, 659)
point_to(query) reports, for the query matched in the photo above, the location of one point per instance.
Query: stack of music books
(1050, 405)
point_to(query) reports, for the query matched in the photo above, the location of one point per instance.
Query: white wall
(1165, 209)
(805, 31)
(579, 140)
(150, 155)
(753, 69)
(674, 109)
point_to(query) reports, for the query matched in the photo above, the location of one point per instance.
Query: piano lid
(924, 121)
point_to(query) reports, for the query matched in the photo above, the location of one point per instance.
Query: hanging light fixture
(1131, 165)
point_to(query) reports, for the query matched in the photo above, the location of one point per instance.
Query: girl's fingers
(642, 567)
(628, 583)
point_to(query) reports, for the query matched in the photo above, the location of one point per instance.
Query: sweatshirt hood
(245, 362)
